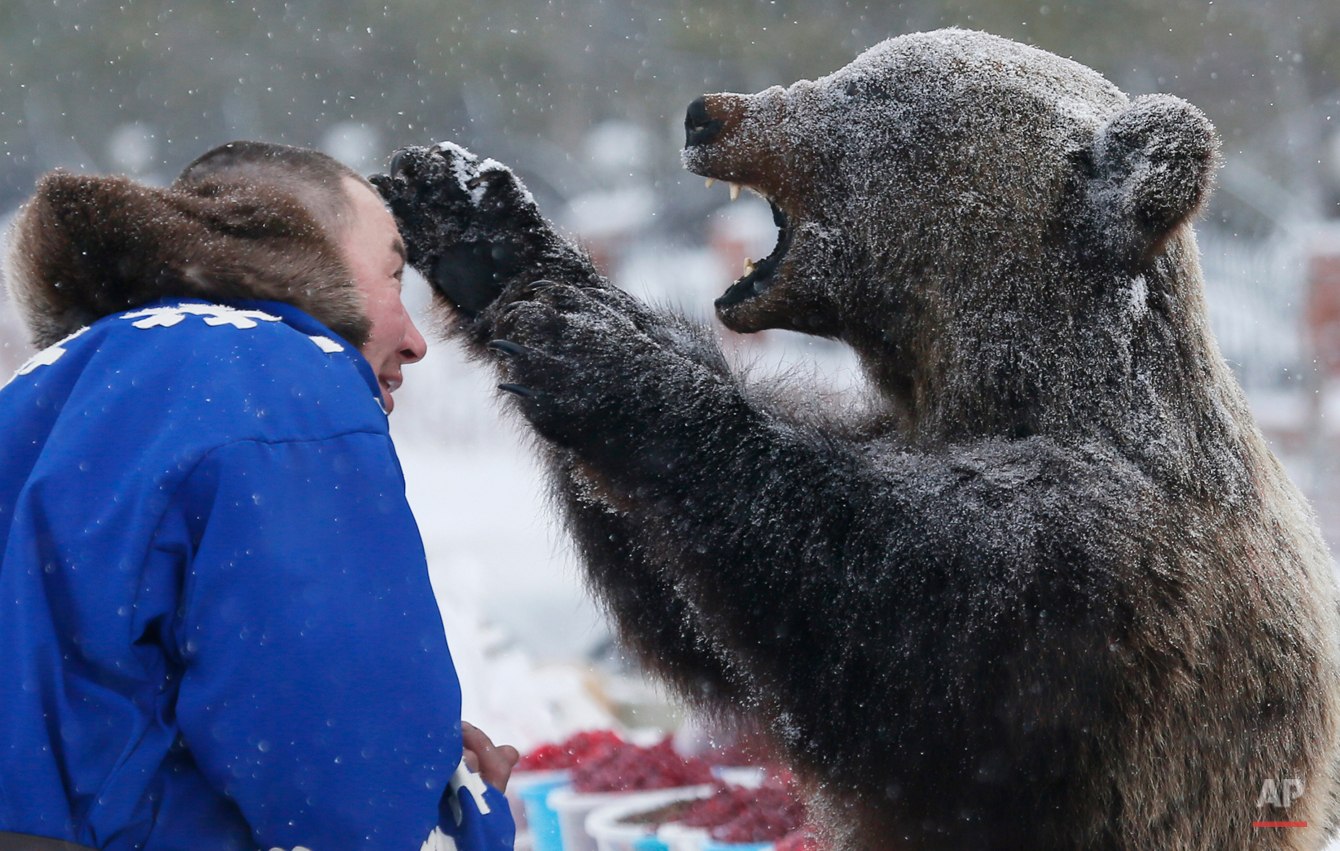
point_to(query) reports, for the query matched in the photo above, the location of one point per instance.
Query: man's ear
(1153, 166)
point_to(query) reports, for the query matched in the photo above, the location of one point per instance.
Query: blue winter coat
(216, 625)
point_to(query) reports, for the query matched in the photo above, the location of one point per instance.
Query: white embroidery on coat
(466, 779)
(214, 314)
(326, 344)
(438, 841)
(46, 357)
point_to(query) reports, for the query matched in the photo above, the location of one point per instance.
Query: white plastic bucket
(606, 824)
(573, 807)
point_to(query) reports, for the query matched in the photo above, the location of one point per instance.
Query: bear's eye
(868, 90)
(1082, 160)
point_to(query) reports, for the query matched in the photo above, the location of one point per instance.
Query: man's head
(376, 256)
(352, 213)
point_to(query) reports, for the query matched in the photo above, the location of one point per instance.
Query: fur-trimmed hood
(87, 246)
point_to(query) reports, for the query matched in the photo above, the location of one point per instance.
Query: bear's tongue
(760, 277)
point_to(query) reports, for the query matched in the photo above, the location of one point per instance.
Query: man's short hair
(316, 179)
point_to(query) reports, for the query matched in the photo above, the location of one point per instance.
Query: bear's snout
(700, 127)
(739, 138)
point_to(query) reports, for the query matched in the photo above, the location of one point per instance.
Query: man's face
(376, 257)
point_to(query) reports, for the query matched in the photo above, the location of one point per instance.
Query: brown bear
(1054, 592)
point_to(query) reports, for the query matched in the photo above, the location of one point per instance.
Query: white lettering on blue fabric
(213, 314)
(326, 344)
(47, 356)
(438, 841)
(466, 779)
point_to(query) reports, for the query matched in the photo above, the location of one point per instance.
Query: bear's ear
(1153, 165)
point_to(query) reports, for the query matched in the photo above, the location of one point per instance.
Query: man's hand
(492, 762)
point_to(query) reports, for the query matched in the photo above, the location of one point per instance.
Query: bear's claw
(397, 163)
(518, 390)
(507, 347)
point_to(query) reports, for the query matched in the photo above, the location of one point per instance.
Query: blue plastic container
(542, 819)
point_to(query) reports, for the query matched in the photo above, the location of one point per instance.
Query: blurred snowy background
(586, 101)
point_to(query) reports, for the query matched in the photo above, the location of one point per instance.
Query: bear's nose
(700, 127)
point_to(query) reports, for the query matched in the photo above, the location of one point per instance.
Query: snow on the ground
(518, 620)
(492, 545)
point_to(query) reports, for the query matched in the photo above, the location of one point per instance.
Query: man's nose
(412, 346)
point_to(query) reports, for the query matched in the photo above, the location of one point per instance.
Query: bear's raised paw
(469, 225)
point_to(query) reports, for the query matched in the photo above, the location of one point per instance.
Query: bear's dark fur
(1057, 593)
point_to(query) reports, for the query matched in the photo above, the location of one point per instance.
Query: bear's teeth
(734, 191)
(748, 266)
(710, 182)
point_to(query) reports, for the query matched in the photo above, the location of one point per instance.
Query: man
(214, 607)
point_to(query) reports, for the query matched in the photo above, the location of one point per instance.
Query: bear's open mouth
(761, 275)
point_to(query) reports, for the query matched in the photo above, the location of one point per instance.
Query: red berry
(628, 767)
(579, 748)
(738, 814)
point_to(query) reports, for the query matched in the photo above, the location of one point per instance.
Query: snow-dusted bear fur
(1057, 593)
